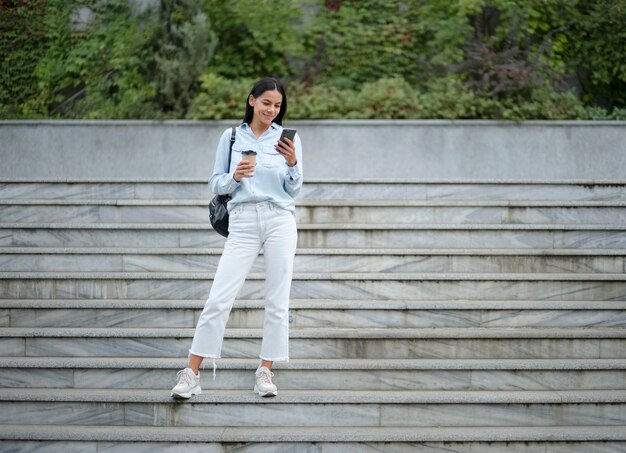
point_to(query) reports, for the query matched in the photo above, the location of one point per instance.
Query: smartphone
(289, 133)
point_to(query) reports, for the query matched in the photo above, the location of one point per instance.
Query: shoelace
(183, 377)
(265, 376)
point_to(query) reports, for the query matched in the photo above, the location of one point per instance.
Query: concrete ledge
(321, 397)
(496, 333)
(320, 181)
(313, 251)
(394, 148)
(310, 276)
(314, 434)
(315, 304)
(534, 364)
(323, 226)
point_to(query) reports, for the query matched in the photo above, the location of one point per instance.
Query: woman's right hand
(244, 169)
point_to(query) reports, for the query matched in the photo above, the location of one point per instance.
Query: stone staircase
(469, 316)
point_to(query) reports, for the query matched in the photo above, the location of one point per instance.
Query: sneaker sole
(195, 391)
(265, 394)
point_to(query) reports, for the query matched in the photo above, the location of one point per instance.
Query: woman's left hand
(287, 149)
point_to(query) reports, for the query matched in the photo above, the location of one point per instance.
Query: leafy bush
(598, 55)
(599, 113)
(358, 41)
(22, 44)
(220, 98)
(256, 38)
(184, 48)
(97, 67)
(445, 98)
(500, 59)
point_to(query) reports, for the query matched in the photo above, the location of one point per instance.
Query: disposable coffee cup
(249, 155)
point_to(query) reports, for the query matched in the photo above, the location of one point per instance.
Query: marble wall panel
(524, 192)
(106, 190)
(362, 191)
(60, 413)
(172, 263)
(385, 318)
(107, 347)
(49, 214)
(553, 318)
(611, 348)
(101, 318)
(548, 379)
(292, 379)
(42, 446)
(371, 263)
(12, 347)
(73, 191)
(5, 318)
(460, 214)
(461, 239)
(567, 215)
(376, 380)
(60, 263)
(6, 237)
(303, 288)
(333, 347)
(316, 447)
(203, 238)
(429, 447)
(156, 214)
(454, 290)
(502, 414)
(586, 447)
(174, 447)
(534, 263)
(314, 263)
(521, 348)
(165, 378)
(260, 414)
(178, 191)
(103, 213)
(320, 190)
(92, 238)
(39, 377)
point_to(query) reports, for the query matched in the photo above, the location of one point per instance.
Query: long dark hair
(263, 85)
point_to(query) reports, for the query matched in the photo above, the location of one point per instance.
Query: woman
(262, 214)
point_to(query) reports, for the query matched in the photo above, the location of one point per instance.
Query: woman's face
(266, 107)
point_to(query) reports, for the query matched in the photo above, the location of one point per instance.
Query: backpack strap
(232, 142)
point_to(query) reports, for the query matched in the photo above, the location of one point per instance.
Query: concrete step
(418, 286)
(314, 408)
(120, 189)
(323, 374)
(89, 259)
(331, 189)
(372, 343)
(315, 313)
(312, 211)
(462, 439)
(321, 235)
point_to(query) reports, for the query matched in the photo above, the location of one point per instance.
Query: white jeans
(252, 226)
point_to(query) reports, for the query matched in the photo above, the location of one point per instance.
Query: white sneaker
(188, 384)
(264, 385)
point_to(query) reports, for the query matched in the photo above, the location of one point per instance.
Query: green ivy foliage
(98, 62)
(387, 98)
(453, 59)
(598, 56)
(256, 38)
(22, 44)
(364, 40)
(185, 46)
